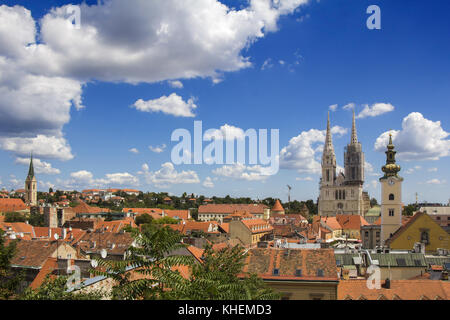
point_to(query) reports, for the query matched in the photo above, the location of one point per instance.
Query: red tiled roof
(277, 207)
(287, 261)
(399, 289)
(115, 225)
(48, 267)
(11, 205)
(83, 207)
(230, 208)
(353, 222)
(179, 214)
(257, 225)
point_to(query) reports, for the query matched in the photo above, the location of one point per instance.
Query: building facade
(343, 193)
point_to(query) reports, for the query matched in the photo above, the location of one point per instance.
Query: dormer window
(319, 272)
(276, 272)
(298, 272)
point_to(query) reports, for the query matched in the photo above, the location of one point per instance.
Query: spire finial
(329, 139)
(354, 135)
(31, 168)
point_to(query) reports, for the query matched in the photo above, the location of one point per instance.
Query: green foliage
(217, 278)
(56, 289)
(373, 202)
(409, 210)
(15, 217)
(36, 219)
(166, 220)
(143, 219)
(152, 260)
(9, 281)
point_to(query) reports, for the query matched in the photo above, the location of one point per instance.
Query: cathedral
(343, 193)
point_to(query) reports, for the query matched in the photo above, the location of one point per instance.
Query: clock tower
(391, 195)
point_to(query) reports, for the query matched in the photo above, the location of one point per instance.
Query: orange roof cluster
(115, 225)
(177, 214)
(83, 207)
(230, 208)
(399, 290)
(292, 264)
(11, 205)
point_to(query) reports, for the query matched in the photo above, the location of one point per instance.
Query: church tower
(328, 159)
(391, 195)
(31, 186)
(354, 159)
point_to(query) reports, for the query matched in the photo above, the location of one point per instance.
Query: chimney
(64, 233)
(387, 284)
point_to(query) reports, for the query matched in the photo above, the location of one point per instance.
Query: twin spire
(329, 139)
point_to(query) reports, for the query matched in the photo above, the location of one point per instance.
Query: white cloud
(208, 183)
(436, 181)
(413, 169)
(167, 175)
(333, 107)
(349, 106)
(282, 62)
(300, 154)
(267, 64)
(82, 175)
(432, 169)
(39, 166)
(419, 139)
(158, 149)
(134, 150)
(124, 178)
(227, 132)
(239, 171)
(41, 146)
(173, 105)
(374, 184)
(43, 70)
(369, 170)
(375, 110)
(176, 84)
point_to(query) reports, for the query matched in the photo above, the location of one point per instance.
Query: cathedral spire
(354, 135)
(31, 169)
(329, 139)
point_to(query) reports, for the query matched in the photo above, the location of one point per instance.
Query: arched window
(391, 197)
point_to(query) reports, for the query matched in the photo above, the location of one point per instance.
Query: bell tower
(391, 195)
(31, 186)
(328, 159)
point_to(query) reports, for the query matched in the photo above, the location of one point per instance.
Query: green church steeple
(31, 169)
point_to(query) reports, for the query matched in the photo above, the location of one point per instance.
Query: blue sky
(315, 55)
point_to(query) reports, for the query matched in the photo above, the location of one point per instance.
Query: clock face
(391, 182)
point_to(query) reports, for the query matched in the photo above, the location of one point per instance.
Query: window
(298, 272)
(378, 234)
(424, 237)
(338, 262)
(328, 175)
(401, 262)
(276, 272)
(391, 212)
(391, 197)
(319, 272)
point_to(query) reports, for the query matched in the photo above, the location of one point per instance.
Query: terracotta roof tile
(11, 205)
(230, 208)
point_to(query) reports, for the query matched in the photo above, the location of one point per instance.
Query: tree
(143, 219)
(9, 281)
(57, 289)
(14, 217)
(373, 202)
(151, 258)
(217, 278)
(409, 210)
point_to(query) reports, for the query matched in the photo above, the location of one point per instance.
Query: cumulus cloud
(208, 183)
(158, 149)
(227, 132)
(419, 139)
(413, 169)
(375, 110)
(40, 167)
(369, 170)
(43, 146)
(85, 179)
(167, 175)
(301, 152)
(173, 105)
(134, 150)
(432, 169)
(43, 70)
(124, 178)
(239, 171)
(333, 107)
(176, 84)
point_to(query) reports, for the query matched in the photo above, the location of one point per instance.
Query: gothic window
(424, 237)
(391, 197)
(353, 173)
(337, 195)
(343, 193)
(340, 206)
(328, 175)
